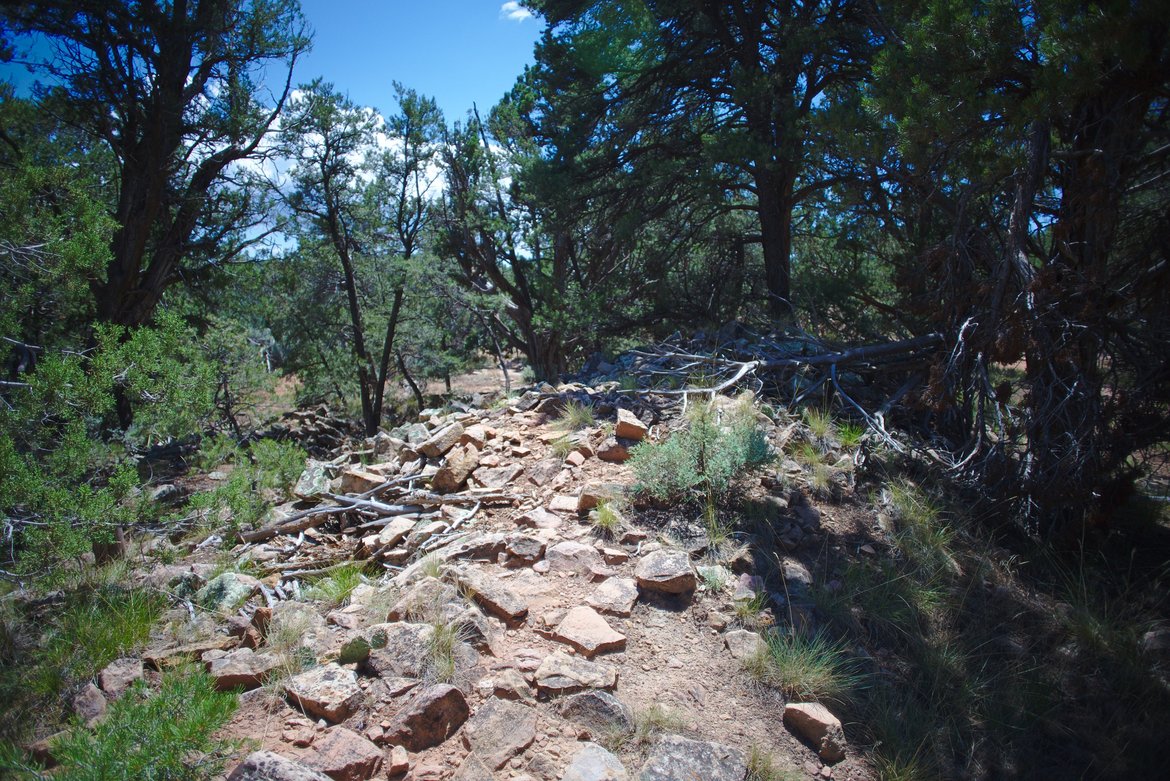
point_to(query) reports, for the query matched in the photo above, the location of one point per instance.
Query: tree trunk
(775, 204)
(384, 367)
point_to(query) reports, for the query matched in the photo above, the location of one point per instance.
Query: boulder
(560, 673)
(615, 596)
(570, 556)
(328, 692)
(499, 477)
(460, 463)
(119, 675)
(674, 757)
(441, 441)
(267, 766)
(586, 631)
(344, 755)
(493, 595)
(226, 592)
(600, 712)
(510, 685)
(241, 668)
(428, 718)
(594, 763)
(667, 572)
(744, 645)
(544, 470)
(629, 427)
(500, 730)
(313, 482)
(816, 724)
(395, 532)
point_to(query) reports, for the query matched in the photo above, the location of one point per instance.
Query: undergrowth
(46, 655)
(161, 735)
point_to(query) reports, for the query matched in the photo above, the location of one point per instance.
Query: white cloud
(513, 12)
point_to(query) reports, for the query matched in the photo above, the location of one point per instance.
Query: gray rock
(267, 766)
(674, 757)
(744, 644)
(423, 600)
(401, 651)
(599, 712)
(492, 595)
(570, 556)
(523, 550)
(500, 730)
(615, 596)
(226, 592)
(242, 668)
(460, 463)
(313, 482)
(472, 769)
(667, 572)
(539, 518)
(328, 692)
(593, 763)
(560, 673)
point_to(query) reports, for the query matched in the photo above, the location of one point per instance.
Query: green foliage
(162, 735)
(763, 767)
(805, 667)
(259, 473)
(45, 657)
(850, 434)
(335, 588)
(707, 456)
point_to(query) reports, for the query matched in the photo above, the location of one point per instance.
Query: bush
(267, 467)
(705, 459)
(165, 735)
(805, 667)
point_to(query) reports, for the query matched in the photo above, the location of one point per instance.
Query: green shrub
(267, 467)
(336, 587)
(42, 662)
(704, 459)
(163, 735)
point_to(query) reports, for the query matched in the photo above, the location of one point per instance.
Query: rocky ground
(510, 637)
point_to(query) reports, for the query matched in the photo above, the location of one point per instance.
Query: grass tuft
(763, 767)
(575, 416)
(606, 520)
(805, 667)
(334, 589)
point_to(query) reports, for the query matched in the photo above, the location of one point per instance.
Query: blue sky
(458, 51)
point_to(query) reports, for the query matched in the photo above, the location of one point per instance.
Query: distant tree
(362, 191)
(732, 88)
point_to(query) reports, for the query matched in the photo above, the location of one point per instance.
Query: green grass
(805, 667)
(762, 766)
(713, 579)
(442, 650)
(606, 520)
(819, 423)
(432, 566)
(562, 446)
(923, 535)
(575, 416)
(850, 434)
(648, 724)
(807, 454)
(163, 735)
(335, 588)
(45, 656)
(748, 611)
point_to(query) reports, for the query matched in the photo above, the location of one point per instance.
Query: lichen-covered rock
(329, 692)
(267, 766)
(667, 572)
(560, 673)
(674, 757)
(500, 730)
(594, 763)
